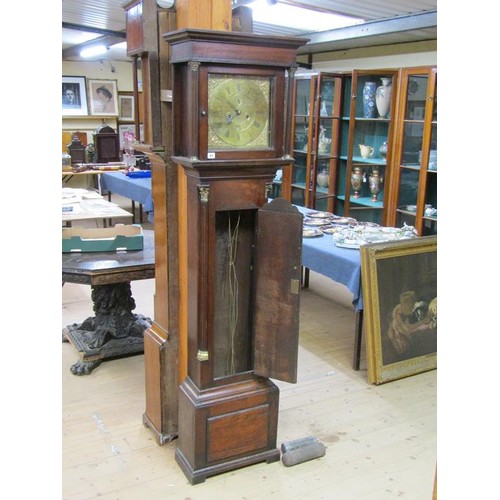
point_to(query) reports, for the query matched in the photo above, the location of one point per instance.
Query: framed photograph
(74, 96)
(126, 106)
(129, 129)
(400, 307)
(103, 97)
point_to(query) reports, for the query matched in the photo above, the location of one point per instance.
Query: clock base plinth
(228, 427)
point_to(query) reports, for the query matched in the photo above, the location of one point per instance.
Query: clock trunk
(239, 252)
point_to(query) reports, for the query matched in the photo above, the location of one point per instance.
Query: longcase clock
(239, 253)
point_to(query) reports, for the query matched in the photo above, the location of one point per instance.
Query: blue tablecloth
(342, 265)
(135, 189)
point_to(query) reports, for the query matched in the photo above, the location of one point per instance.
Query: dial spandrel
(238, 112)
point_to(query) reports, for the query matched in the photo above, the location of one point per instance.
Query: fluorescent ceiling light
(296, 17)
(95, 50)
(74, 37)
(121, 45)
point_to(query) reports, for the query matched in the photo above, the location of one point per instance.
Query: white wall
(123, 74)
(386, 56)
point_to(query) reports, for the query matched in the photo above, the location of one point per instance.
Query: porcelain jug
(366, 151)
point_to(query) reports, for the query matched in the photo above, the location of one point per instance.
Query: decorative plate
(311, 233)
(412, 86)
(320, 215)
(353, 246)
(367, 224)
(344, 220)
(332, 230)
(314, 222)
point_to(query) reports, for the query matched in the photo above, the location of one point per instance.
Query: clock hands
(229, 116)
(236, 110)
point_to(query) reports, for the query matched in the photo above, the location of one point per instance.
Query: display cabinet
(414, 181)
(311, 180)
(364, 167)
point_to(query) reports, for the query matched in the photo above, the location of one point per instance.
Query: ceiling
(386, 23)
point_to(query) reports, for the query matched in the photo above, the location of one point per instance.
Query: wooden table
(93, 173)
(114, 330)
(88, 175)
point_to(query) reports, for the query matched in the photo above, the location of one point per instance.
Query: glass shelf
(369, 161)
(372, 120)
(363, 200)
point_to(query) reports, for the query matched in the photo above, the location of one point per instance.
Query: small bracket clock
(239, 253)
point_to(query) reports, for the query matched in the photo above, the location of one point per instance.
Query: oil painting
(399, 281)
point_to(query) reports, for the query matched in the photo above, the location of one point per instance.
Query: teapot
(365, 150)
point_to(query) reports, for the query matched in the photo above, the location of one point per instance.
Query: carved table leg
(113, 331)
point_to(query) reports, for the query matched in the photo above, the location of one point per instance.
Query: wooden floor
(381, 440)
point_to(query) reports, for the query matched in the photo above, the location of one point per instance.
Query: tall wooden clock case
(239, 255)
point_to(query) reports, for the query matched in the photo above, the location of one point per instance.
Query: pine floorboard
(381, 440)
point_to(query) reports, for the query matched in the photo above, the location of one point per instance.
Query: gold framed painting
(400, 307)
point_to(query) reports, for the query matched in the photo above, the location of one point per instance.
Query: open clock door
(277, 269)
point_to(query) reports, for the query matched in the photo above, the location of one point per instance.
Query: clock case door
(243, 303)
(191, 89)
(277, 291)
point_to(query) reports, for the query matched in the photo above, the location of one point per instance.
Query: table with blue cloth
(342, 265)
(137, 189)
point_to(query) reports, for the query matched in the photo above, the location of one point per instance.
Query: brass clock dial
(238, 112)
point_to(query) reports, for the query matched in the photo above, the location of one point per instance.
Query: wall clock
(239, 253)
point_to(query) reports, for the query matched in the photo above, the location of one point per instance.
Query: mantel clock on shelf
(239, 255)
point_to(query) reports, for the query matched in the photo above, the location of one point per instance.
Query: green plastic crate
(108, 239)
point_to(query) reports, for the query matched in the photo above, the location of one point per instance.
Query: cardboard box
(110, 239)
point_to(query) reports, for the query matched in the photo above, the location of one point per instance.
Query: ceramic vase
(323, 111)
(375, 183)
(383, 150)
(369, 90)
(322, 179)
(383, 97)
(357, 180)
(90, 153)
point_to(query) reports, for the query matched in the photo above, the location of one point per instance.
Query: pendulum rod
(233, 290)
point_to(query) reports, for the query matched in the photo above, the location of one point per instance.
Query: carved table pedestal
(114, 330)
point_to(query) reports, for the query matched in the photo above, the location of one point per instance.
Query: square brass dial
(239, 108)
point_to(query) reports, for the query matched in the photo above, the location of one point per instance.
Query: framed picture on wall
(126, 106)
(400, 307)
(129, 128)
(103, 97)
(74, 96)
